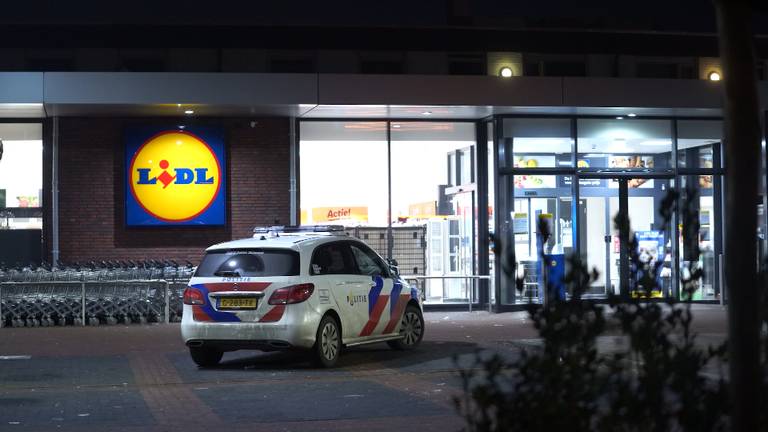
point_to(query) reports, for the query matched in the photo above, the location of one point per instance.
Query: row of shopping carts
(103, 293)
(60, 303)
(93, 270)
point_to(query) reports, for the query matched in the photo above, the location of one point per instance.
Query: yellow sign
(328, 214)
(175, 176)
(422, 210)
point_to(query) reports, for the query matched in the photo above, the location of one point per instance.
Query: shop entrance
(601, 244)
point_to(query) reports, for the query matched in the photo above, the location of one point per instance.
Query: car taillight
(193, 297)
(291, 294)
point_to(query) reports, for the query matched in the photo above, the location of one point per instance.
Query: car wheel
(327, 342)
(411, 329)
(205, 357)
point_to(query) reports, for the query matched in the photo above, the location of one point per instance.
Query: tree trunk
(742, 150)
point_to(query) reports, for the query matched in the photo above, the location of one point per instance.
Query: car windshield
(249, 263)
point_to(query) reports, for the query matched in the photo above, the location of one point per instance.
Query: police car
(307, 287)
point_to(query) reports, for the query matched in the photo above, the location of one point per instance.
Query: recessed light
(714, 76)
(189, 112)
(631, 115)
(426, 113)
(505, 72)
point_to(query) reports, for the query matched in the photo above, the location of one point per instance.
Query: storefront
(581, 172)
(578, 171)
(435, 172)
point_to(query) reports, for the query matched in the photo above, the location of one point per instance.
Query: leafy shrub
(656, 383)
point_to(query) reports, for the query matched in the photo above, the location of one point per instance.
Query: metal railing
(470, 297)
(94, 302)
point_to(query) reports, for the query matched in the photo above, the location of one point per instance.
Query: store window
(537, 143)
(433, 199)
(343, 173)
(698, 143)
(539, 199)
(491, 209)
(21, 176)
(700, 246)
(625, 145)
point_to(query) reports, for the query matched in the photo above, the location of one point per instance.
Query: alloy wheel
(412, 328)
(329, 341)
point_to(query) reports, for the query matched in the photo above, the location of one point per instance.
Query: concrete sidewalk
(140, 378)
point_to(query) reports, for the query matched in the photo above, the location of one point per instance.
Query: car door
(385, 302)
(333, 267)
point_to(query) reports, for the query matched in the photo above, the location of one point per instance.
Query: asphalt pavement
(140, 378)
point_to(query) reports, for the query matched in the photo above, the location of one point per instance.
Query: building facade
(444, 159)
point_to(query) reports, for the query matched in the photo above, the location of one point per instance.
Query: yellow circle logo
(175, 176)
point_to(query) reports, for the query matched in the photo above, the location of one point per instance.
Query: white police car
(308, 287)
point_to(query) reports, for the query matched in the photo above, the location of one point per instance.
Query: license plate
(238, 303)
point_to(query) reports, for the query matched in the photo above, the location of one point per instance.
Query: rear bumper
(296, 329)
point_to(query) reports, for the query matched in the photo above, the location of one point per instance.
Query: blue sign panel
(175, 176)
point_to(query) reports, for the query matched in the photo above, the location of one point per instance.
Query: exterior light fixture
(714, 76)
(426, 113)
(505, 72)
(181, 127)
(619, 118)
(189, 111)
(631, 115)
(178, 105)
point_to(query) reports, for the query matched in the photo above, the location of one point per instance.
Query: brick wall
(91, 190)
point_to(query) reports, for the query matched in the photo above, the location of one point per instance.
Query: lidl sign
(175, 176)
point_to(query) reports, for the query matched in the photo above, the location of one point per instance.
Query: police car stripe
(241, 286)
(373, 294)
(375, 316)
(396, 288)
(274, 314)
(394, 319)
(208, 310)
(199, 315)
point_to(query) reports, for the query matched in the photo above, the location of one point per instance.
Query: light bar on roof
(298, 228)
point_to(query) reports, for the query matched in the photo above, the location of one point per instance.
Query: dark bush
(656, 382)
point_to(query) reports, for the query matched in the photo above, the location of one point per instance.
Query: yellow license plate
(237, 303)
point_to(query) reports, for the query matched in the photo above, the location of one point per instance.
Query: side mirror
(393, 266)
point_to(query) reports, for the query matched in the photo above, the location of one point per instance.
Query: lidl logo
(175, 177)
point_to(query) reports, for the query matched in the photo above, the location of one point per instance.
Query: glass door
(601, 245)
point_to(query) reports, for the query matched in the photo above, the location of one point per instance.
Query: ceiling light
(631, 115)
(619, 118)
(426, 113)
(656, 143)
(189, 112)
(713, 76)
(505, 72)
(396, 126)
